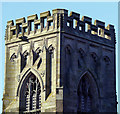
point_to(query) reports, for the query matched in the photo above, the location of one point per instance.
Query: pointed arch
(30, 94)
(24, 59)
(68, 49)
(88, 93)
(68, 56)
(25, 53)
(51, 48)
(107, 60)
(81, 58)
(38, 50)
(24, 76)
(13, 56)
(29, 91)
(36, 54)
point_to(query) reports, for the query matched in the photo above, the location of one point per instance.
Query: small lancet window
(50, 53)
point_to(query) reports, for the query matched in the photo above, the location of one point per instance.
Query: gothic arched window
(30, 97)
(87, 95)
(49, 61)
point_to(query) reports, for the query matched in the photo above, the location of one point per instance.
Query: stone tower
(59, 63)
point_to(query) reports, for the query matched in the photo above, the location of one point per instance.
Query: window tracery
(87, 94)
(32, 94)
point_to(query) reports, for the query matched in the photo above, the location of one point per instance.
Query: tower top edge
(75, 15)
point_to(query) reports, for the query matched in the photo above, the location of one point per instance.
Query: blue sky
(104, 11)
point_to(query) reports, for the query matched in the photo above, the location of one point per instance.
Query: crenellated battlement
(59, 20)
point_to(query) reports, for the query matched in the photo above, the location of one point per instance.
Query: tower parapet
(59, 20)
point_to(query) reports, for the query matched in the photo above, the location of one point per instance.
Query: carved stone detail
(107, 60)
(13, 57)
(43, 73)
(94, 56)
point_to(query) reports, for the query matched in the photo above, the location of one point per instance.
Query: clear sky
(104, 11)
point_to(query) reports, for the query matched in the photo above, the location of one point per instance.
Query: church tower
(59, 63)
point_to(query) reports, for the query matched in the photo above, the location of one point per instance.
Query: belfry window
(87, 95)
(31, 95)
